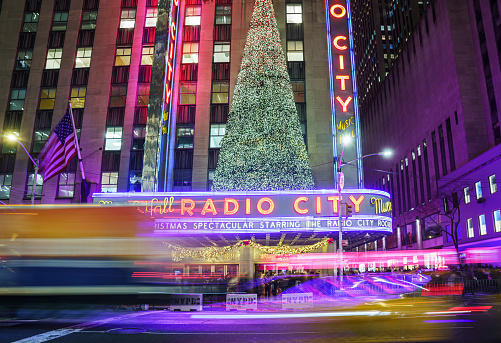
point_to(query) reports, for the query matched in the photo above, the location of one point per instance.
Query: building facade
(437, 109)
(99, 56)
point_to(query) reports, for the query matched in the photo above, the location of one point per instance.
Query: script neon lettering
(260, 206)
(336, 44)
(209, 207)
(344, 103)
(189, 209)
(227, 203)
(296, 205)
(335, 200)
(343, 79)
(338, 14)
(357, 202)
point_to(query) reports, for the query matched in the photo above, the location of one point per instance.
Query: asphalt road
(401, 320)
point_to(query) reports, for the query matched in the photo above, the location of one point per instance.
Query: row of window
(493, 188)
(482, 227)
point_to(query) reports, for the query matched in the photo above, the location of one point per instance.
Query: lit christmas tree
(263, 148)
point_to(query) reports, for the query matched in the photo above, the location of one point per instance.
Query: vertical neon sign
(344, 102)
(168, 114)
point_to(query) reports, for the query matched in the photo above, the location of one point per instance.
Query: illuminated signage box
(253, 212)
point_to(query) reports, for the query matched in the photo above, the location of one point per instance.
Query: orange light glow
(338, 14)
(227, 203)
(343, 79)
(341, 62)
(296, 205)
(167, 94)
(173, 31)
(260, 206)
(336, 44)
(357, 202)
(247, 206)
(319, 207)
(209, 207)
(169, 71)
(171, 50)
(189, 209)
(335, 200)
(176, 2)
(344, 103)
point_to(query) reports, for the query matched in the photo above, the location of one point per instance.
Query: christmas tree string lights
(212, 253)
(263, 148)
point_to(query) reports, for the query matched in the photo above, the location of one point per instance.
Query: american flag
(59, 149)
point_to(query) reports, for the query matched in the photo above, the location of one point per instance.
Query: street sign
(345, 242)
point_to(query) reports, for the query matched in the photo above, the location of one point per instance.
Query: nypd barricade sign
(241, 302)
(186, 302)
(294, 301)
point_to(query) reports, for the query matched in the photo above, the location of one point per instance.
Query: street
(436, 319)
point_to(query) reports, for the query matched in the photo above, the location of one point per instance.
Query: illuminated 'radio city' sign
(258, 211)
(170, 61)
(343, 86)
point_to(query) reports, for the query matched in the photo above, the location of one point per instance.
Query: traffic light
(349, 210)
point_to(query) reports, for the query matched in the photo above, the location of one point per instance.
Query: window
(29, 186)
(143, 94)
(466, 192)
(83, 57)
(217, 132)
(77, 97)
(17, 97)
(66, 185)
(220, 91)
(118, 96)
(89, 19)
(187, 94)
(184, 136)
(223, 14)
(5, 184)
(493, 187)
(481, 225)
(113, 141)
(138, 137)
(190, 53)
(24, 58)
(151, 17)
(135, 181)
(109, 182)
(298, 89)
(193, 15)
(496, 218)
(478, 189)
(127, 18)
(54, 58)
(294, 13)
(147, 55)
(31, 22)
(59, 21)
(469, 225)
(295, 51)
(448, 229)
(122, 56)
(40, 136)
(47, 98)
(221, 52)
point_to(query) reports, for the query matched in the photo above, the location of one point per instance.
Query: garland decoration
(212, 253)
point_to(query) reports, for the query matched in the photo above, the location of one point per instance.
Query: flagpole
(77, 145)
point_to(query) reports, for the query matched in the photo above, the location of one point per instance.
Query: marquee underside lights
(255, 212)
(343, 87)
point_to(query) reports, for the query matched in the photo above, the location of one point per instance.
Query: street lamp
(35, 175)
(340, 185)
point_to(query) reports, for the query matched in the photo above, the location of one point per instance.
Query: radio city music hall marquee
(254, 212)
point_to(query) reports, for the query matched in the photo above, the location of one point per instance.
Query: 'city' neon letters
(336, 43)
(296, 205)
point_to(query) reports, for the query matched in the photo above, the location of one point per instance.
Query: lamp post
(35, 164)
(340, 186)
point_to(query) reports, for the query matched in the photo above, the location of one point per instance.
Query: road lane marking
(50, 335)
